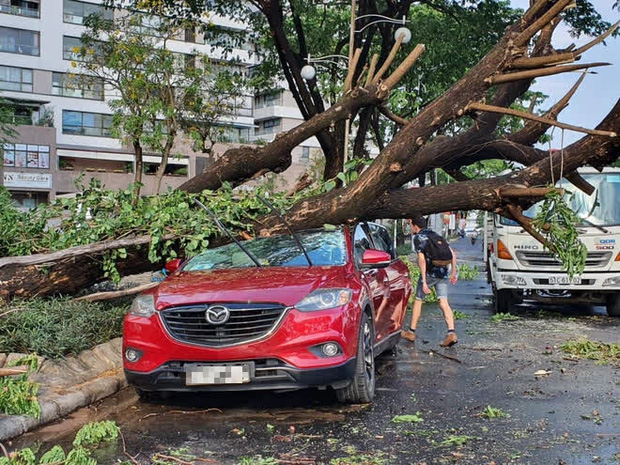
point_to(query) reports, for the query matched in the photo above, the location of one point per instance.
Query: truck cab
(520, 268)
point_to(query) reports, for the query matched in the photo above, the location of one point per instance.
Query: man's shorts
(440, 285)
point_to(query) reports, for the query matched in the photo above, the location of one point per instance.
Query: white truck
(519, 268)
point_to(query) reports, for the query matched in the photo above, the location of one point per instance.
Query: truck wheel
(502, 300)
(613, 304)
(362, 387)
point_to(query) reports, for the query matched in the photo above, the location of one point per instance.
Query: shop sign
(32, 180)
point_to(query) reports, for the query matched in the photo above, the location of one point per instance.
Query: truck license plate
(564, 280)
(217, 374)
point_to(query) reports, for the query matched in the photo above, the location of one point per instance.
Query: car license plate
(217, 374)
(564, 280)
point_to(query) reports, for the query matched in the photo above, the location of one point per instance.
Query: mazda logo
(217, 315)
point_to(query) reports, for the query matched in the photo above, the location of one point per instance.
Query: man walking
(434, 257)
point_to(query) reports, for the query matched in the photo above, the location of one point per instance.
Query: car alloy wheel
(361, 390)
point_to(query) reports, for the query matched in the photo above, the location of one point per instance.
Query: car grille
(246, 322)
(547, 260)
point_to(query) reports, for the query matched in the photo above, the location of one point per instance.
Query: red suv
(279, 312)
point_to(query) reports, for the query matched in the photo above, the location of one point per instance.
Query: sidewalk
(68, 384)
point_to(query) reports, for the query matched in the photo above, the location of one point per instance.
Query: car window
(382, 240)
(325, 248)
(361, 243)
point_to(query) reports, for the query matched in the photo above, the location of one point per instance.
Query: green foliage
(504, 317)
(258, 460)
(378, 458)
(58, 327)
(458, 315)
(54, 455)
(18, 396)
(467, 272)
(557, 222)
(493, 412)
(22, 457)
(97, 214)
(456, 440)
(91, 434)
(403, 250)
(415, 418)
(95, 433)
(593, 350)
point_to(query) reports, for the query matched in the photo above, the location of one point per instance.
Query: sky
(598, 93)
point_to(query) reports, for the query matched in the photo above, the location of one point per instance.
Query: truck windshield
(602, 208)
(325, 248)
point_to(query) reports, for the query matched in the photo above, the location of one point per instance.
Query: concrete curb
(105, 375)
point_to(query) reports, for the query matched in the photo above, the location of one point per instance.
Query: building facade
(63, 133)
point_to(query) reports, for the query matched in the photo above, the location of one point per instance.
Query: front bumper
(269, 374)
(509, 279)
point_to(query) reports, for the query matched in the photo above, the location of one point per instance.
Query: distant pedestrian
(434, 258)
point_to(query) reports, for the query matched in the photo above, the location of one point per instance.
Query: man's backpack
(437, 250)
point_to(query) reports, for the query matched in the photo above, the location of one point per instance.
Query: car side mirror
(373, 258)
(173, 265)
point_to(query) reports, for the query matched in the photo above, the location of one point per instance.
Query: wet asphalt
(569, 416)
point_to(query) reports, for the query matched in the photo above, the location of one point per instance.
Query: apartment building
(64, 132)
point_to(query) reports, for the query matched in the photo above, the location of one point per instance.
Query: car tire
(613, 304)
(361, 390)
(502, 300)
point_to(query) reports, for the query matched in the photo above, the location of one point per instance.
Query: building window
(268, 100)
(269, 126)
(305, 154)
(88, 87)
(19, 41)
(18, 79)
(86, 124)
(232, 134)
(71, 47)
(20, 7)
(192, 37)
(26, 156)
(75, 12)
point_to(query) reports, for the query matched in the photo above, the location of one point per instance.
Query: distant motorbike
(473, 240)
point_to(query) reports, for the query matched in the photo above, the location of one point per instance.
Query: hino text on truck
(520, 268)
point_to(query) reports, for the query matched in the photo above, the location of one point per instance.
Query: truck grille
(547, 260)
(246, 322)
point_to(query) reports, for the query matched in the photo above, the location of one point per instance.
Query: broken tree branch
(517, 214)
(348, 82)
(535, 73)
(522, 114)
(99, 296)
(388, 114)
(596, 41)
(528, 191)
(538, 62)
(541, 22)
(405, 66)
(533, 130)
(389, 59)
(371, 70)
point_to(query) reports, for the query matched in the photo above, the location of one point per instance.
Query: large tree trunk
(415, 150)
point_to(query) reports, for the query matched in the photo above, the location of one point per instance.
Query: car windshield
(602, 208)
(325, 248)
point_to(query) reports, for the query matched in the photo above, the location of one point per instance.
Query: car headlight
(143, 305)
(322, 299)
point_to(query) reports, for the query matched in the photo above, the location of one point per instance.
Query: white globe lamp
(406, 33)
(308, 72)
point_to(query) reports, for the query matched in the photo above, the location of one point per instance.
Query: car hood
(285, 285)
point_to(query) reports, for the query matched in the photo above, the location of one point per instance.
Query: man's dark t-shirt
(419, 244)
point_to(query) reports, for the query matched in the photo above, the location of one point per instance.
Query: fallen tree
(483, 96)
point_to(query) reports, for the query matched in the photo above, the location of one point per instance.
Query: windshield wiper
(600, 228)
(229, 234)
(297, 241)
